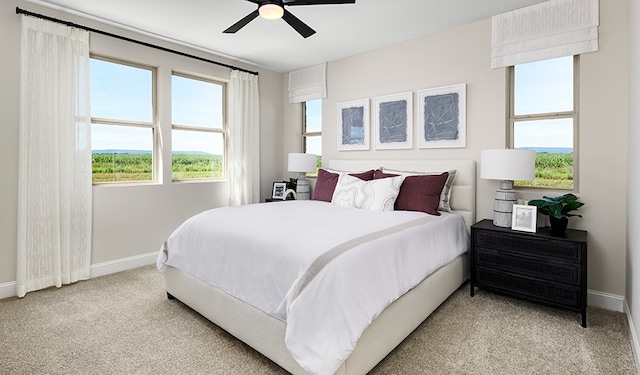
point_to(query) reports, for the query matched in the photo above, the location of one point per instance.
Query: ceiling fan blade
(301, 27)
(317, 2)
(242, 23)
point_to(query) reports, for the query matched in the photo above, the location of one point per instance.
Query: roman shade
(308, 83)
(547, 30)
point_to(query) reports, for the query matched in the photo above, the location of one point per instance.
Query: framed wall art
(393, 121)
(442, 117)
(353, 125)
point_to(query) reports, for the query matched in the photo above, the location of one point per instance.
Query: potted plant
(558, 209)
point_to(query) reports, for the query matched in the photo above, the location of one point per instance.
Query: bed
(267, 327)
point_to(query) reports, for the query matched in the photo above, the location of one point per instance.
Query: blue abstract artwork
(392, 121)
(441, 117)
(352, 126)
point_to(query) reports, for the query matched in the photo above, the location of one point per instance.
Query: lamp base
(303, 189)
(503, 204)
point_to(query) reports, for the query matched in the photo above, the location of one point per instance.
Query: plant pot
(558, 226)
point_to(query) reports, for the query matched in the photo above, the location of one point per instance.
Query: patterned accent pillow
(326, 183)
(445, 195)
(374, 195)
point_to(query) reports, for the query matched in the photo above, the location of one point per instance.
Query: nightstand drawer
(552, 270)
(529, 245)
(553, 293)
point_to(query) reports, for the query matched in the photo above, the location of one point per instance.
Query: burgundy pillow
(366, 175)
(327, 181)
(421, 193)
(378, 174)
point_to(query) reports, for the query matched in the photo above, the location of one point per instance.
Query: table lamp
(302, 163)
(506, 165)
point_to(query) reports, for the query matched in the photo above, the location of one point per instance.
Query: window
(123, 124)
(198, 128)
(312, 130)
(544, 117)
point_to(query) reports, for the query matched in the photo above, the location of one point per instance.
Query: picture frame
(278, 191)
(353, 125)
(393, 121)
(442, 117)
(523, 218)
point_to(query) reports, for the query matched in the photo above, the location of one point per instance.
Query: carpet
(124, 324)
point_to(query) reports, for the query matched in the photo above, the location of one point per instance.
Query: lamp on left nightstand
(302, 163)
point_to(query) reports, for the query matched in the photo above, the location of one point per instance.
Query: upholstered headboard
(463, 195)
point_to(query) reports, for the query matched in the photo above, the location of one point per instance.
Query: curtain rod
(67, 23)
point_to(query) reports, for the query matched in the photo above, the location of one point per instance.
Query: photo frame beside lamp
(506, 166)
(302, 163)
(524, 218)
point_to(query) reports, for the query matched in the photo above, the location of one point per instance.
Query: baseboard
(605, 301)
(8, 290)
(124, 264)
(635, 344)
(99, 269)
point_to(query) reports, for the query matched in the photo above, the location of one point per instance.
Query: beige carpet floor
(124, 324)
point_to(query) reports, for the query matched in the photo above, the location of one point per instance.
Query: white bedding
(263, 253)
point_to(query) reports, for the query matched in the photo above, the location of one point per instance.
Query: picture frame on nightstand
(523, 218)
(278, 191)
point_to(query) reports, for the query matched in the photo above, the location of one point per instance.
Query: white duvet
(327, 271)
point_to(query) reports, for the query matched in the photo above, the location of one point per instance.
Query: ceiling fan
(274, 9)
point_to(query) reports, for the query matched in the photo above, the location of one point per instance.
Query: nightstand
(538, 267)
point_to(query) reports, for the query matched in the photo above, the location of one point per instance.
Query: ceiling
(341, 30)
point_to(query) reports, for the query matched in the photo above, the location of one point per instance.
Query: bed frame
(266, 334)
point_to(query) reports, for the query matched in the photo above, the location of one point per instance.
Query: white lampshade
(271, 11)
(299, 162)
(508, 164)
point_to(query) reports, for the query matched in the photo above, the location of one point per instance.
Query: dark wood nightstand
(267, 200)
(538, 267)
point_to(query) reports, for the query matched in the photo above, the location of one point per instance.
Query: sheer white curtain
(244, 139)
(54, 202)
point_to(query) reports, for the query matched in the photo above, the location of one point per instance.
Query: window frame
(153, 125)
(224, 131)
(512, 118)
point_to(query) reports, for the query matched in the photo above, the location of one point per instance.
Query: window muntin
(544, 119)
(123, 124)
(312, 130)
(198, 128)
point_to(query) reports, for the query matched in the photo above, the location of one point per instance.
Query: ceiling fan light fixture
(271, 11)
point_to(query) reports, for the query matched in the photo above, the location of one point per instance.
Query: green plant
(558, 207)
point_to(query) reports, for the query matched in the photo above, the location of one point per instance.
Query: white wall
(462, 55)
(633, 223)
(128, 221)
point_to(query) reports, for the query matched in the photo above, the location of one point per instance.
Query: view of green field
(552, 171)
(124, 167)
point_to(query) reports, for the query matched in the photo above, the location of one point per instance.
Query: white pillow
(374, 195)
(445, 196)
